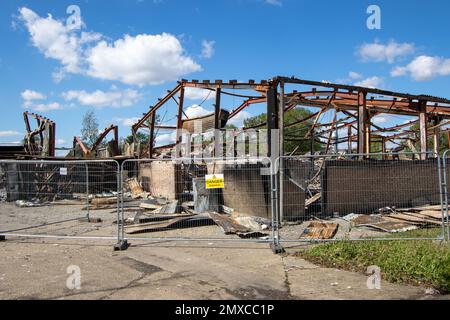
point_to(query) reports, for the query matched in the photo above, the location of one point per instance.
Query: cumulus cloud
(9, 133)
(354, 75)
(166, 138)
(238, 120)
(198, 94)
(31, 98)
(126, 122)
(371, 82)
(52, 38)
(99, 98)
(138, 60)
(144, 59)
(195, 111)
(29, 95)
(207, 49)
(389, 52)
(43, 107)
(424, 68)
(380, 119)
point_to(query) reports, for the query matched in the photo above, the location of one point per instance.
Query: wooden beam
(349, 134)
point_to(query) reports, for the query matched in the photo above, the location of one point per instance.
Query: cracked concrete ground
(36, 269)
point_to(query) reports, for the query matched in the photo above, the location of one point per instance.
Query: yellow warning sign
(214, 181)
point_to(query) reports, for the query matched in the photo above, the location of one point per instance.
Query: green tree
(415, 136)
(294, 135)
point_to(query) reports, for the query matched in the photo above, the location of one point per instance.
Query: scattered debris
(103, 201)
(169, 208)
(432, 292)
(320, 230)
(391, 219)
(182, 221)
(136, 189)
(231, 226)
(33, 203)
(313, 199)
(382, 224)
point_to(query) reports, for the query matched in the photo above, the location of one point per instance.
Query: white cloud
(99, 98)
(60, 142)
(207, 49)
(29, 95)
(198, 94)
(372, 82)
(9, 133)
(53, 39)
(144, 59)
(424, 68)
(390, 52)
(238, 120)
(354, 75)
(126, 122)
(274, 2)
(139, 60)
(43, 107)
(166, 138)
(195, 111)
(380, 119)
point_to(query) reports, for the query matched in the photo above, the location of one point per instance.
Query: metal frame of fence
(444, 186)
(357, 158)
(49, 170)
(273, 193)
(270, 191)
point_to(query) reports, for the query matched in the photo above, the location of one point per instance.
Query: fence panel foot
(121, 245)
(277, 248)
(2, 238)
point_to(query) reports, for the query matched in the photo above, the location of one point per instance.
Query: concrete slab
(33, 269)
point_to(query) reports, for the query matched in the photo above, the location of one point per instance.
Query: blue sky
(126, 54)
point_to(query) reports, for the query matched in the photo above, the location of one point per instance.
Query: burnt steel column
(179, 121)
(423, 123)
(272, 118)
(363, 125)
(152, 135)
(349, 142)
(217, 140)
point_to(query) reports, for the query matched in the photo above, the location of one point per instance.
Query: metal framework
(46, 130)
(354, 108)
(88, 151)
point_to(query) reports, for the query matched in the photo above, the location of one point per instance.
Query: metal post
(445, 193)
(423, 122)
(281, 139)
(441, 195)
(87, 192)
(122, 244)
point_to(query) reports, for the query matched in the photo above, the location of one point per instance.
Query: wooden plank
(413, 219)
(320, 230)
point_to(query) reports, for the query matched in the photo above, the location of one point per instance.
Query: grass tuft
(421, 262)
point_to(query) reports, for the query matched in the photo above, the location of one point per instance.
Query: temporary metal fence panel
(59, 199)
(197, 199)
(359, 197)
(445, 189)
